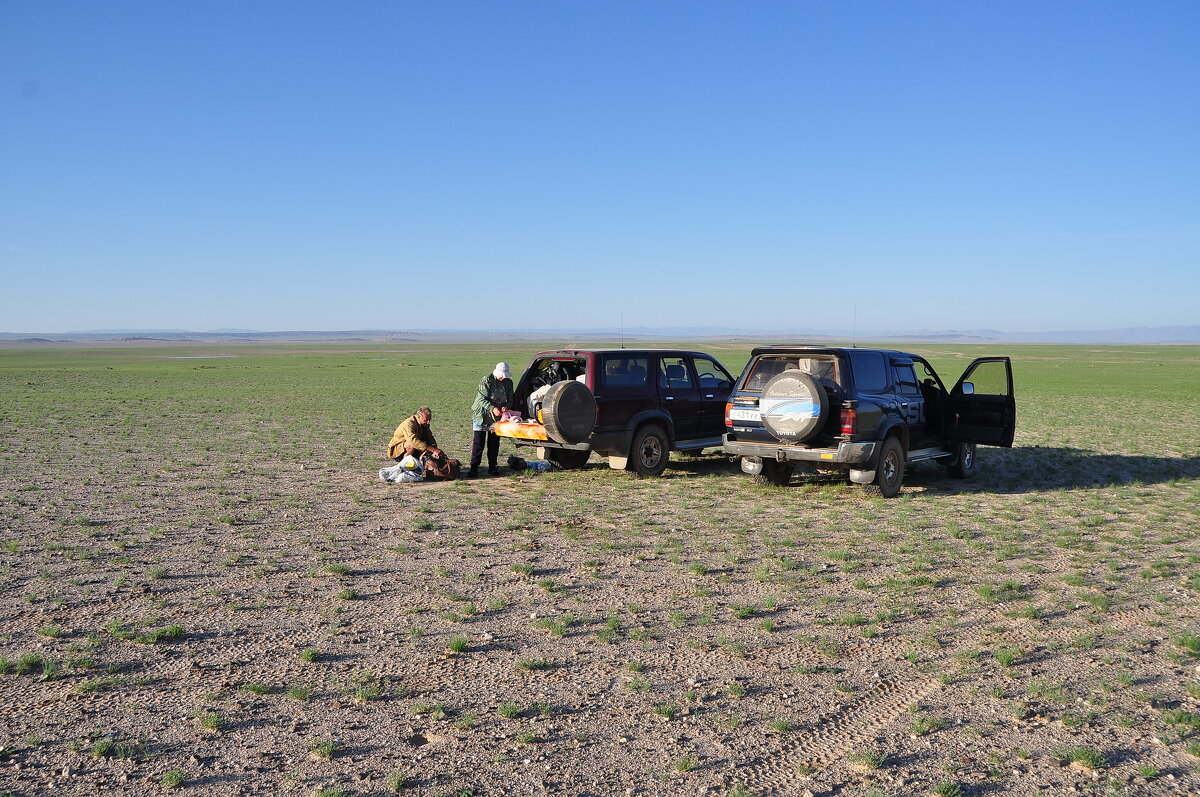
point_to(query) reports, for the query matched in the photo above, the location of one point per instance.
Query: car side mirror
(968, 388)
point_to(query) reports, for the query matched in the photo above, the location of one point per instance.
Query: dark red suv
(633, 406)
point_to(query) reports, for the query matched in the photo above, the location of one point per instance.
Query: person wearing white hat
(495, 395)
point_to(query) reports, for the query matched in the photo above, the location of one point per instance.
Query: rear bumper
(603, 443)
(854, 455)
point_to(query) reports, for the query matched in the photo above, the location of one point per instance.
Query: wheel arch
(650, 416)
(897, 430)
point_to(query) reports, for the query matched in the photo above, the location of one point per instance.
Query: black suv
(868, 412)
(633, 406)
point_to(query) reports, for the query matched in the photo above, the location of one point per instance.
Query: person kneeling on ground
(413, 436)
(495, 395)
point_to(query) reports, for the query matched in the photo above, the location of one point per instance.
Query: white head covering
(502, 371)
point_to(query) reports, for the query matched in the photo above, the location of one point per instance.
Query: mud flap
(862, 476)
(618, 463)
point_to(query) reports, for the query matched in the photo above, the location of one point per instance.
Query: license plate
(741, 414)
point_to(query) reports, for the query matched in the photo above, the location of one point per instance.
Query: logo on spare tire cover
(792, 405)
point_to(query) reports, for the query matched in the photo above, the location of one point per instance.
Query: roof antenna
(622, 327)
(854, 328)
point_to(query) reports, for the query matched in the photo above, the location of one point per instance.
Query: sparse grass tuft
(1086, 757)
(173, 779)
(212, 721)
(324, 749)
(1189, 642)
(868, 758)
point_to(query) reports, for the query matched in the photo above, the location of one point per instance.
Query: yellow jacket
(411, 433)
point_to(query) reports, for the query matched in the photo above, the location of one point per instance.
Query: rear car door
(982, 408)
(679, 395)
(715, 386)
(910, 400)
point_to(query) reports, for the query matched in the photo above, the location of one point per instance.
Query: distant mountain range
(1129, 336)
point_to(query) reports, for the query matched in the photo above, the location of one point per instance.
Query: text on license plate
(740, 414)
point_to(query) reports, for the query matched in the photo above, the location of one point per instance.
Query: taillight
(728, 407)
(849, 419)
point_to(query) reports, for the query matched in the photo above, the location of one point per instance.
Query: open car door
(981, 407)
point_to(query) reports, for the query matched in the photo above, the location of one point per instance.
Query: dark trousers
(493, 449)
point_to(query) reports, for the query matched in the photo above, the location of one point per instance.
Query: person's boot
(493, 470)
(473, 473)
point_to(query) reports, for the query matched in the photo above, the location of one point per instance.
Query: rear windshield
(556, 369)
(824, 368)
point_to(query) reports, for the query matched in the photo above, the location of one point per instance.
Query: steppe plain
(204, 588)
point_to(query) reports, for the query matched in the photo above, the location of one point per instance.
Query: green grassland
(197, 560)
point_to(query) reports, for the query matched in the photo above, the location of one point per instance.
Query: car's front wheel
(962, 466)
(889, 470)
(650, 451)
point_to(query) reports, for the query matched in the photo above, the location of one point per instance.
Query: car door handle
(904, 404)
(708, 395)
(668, 398)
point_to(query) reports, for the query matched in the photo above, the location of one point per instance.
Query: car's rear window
(870, 370)
(824, 368)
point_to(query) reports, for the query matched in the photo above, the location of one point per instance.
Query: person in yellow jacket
(413, 436)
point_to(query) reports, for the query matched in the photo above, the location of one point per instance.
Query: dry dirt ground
(205, 588)
(286, 627)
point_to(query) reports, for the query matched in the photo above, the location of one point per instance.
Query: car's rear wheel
(650, 451)
(962, 466)
(568, 459)
(889, 470)
(774, 473)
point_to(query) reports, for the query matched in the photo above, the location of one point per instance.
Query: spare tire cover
(568, 412)
(793, 406)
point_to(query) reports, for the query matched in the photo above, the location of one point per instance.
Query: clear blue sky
(300, 165)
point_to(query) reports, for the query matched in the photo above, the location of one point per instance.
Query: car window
(989, 378)
(929, 378)
(673, 373)
(870, 370)
(824, 368)
(710, 373)
(625, 371)
(906, 381)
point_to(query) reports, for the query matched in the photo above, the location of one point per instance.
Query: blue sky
(390, 165)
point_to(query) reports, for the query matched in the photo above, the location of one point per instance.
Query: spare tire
(568, 412)
(794, 406)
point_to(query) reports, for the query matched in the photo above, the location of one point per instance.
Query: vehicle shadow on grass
(689, 466)
(1037, 469)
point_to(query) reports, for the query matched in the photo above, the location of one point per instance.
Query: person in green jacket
(495, 395)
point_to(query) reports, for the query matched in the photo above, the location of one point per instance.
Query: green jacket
(492, 392)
